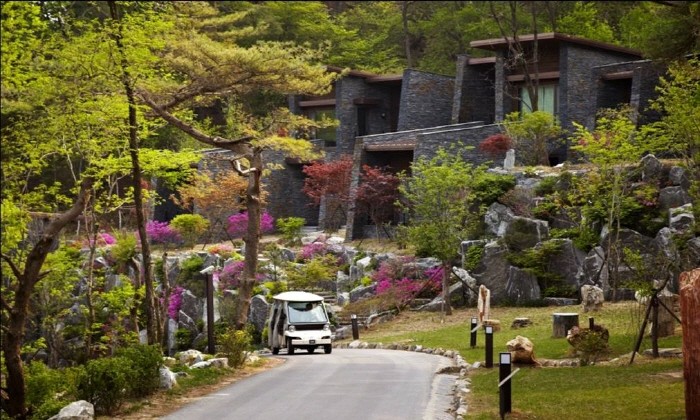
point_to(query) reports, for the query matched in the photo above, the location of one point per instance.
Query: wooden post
(690, 315)
(562, 323)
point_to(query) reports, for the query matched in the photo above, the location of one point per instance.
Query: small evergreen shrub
(106, 383)
(234, 344)
(146, 362)
(49, 390)
(290, 228)
(190, 227)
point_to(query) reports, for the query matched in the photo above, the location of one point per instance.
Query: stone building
(392, 120)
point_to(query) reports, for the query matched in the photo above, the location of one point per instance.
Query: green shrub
(146, 362)
(189, 276)
(190, 227)
(290, 228)
(473, 257)
(106, 383)
(49, 390)
(234, 344)
(318, 269)
(183, 339)
(125, 247)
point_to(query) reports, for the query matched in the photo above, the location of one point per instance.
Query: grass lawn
(647, 389)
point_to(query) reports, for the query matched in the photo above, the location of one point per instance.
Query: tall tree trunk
(406, 34)
(14, 396)
(136, 178)
(252, 240)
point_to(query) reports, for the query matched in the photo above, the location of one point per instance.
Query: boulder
(651, 167)
(493, 271)
(593, 269)
(362, 292)
(192, 306)
(190, 357)
(497, 219)
(258, 312)
(168, 380)
(522, 350)
(681, 219)
(520, 323)
(523, 233)
(521, 286)
(592, 298)
(77, 410)
(469, 285)
(566, 262)
(671, 197)
(678, 176)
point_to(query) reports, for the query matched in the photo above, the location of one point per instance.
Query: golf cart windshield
(306, 312)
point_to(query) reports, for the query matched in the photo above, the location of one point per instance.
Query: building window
(326, 134)
(547, 99)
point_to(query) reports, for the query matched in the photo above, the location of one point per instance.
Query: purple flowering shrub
(238, 224)
(175, 302)
(399, 281)
(314, 249)
(162, 233)
(231, 275)
(108, 239)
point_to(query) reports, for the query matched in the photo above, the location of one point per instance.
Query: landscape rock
(522, 350)
(168, 380)
(521, 286)
(493, 271)
(671, 197)
(258, 312)
(592, 298)
(497, 219)
(522, 233)
(77, 410)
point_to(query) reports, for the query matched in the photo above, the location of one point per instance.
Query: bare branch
(5, 305)
(239, 146)
(13, 266)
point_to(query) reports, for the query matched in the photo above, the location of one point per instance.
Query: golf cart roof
(298, 297)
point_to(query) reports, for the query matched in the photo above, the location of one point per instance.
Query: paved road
(347, 384)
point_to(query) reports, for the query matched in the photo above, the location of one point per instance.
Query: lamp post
(472, 338)
(489, 346)
(504, 378)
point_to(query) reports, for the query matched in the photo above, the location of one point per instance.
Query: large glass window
(547, 99)
(326, 134)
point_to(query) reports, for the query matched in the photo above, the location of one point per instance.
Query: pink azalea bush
(238, 224)
(231, 275)
(162, 233)
(401, 282)
(175, 302)
(312, 250)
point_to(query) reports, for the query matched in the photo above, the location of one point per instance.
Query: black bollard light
(489, 346)
(591, 322)
(355, 329)
(472, 339)
(504, 383)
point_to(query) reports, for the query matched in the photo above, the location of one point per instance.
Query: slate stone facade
(393, 120)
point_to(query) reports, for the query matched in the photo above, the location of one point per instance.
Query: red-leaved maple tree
(377, 194)
(330, 181)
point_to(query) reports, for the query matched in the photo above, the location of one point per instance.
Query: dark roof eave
(501, 43)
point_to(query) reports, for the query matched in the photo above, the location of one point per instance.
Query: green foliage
(14, 225)
(146, 362)
(590, 345)
(234, 345)
(49, 390)
(124, 250)
(190, 227)
(290, 228)
(534, 135)
(183, 339)
(473, 257)
(191, 265)
(309, 275)
(439, 195)
(536, 261)
(582, 237)
(106, 383)
(584, 21)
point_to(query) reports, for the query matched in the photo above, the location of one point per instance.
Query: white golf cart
(298, 320)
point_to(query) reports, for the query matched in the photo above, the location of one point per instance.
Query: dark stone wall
(577, 98)
(470, 137)
(284, 187)
(642, 88)
(426, 100)
(474, 98)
